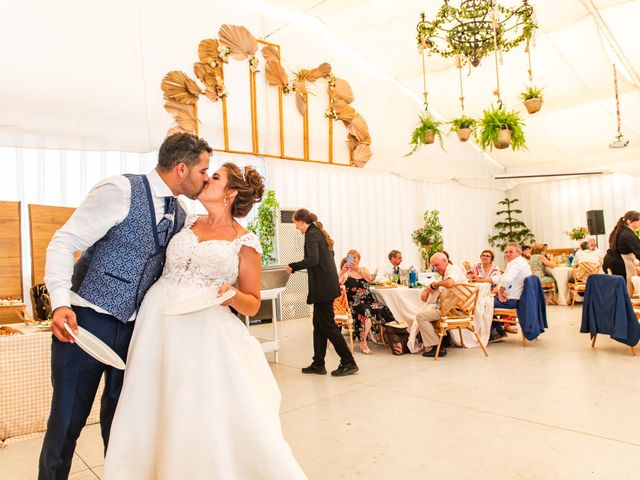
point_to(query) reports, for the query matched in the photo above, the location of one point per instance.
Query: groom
(123, 227)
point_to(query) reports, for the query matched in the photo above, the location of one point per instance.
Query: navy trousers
(75, 377)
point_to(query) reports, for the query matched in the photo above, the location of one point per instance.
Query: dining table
(405, 304)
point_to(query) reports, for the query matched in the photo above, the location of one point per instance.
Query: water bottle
(413, 277)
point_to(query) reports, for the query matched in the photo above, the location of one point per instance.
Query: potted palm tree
(463, 126)
(425, 133)
(500, 128)
(532, 98)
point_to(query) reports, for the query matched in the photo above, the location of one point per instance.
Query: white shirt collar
(158, 187)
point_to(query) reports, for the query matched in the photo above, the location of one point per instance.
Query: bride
(199, 400)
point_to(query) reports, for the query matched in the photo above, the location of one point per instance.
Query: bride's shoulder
(191, 219)
(249, 239)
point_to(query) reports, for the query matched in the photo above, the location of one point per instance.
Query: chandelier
(476, 29)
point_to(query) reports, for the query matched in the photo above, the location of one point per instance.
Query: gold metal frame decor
(182, 93)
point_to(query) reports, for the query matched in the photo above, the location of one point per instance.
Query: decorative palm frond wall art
(182, 93)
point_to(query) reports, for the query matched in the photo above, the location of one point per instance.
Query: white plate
(197, 304)
(95, 347)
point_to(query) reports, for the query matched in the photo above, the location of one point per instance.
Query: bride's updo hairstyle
(304, 215)
(248, 183)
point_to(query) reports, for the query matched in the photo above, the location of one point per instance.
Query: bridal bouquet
(578, 233)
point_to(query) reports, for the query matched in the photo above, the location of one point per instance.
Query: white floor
(554, 410)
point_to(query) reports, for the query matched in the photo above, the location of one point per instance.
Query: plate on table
(95, 347)
(393, 285)
(198, 304)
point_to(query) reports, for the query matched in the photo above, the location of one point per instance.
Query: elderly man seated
(587, 254)
(510, 285)
(429, 318)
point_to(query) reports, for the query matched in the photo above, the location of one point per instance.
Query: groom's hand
(61, 316)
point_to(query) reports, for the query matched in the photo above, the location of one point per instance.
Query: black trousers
(325, 328)
(75, 377)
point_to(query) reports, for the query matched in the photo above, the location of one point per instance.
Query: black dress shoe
(317, 369)
(432, 353)
(345, 369)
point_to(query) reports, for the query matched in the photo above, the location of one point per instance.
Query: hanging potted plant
(425, 133)
(463, 126)
(500, 128)
(532, 98)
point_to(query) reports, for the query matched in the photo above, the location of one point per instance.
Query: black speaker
(286, 216)
(595, 222)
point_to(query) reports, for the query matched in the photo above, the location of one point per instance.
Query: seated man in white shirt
(429, 318)
(510, 285)
(391, 268)
(587, 254)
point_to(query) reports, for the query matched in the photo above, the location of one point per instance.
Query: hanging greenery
(510, 229)
(264, 226)
(468, 31)
(497, 122)
(424, 134)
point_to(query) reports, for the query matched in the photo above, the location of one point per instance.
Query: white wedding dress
(199, 400)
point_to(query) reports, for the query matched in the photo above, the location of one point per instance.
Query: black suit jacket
(320, 265)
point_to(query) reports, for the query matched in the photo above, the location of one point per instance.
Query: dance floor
(555, 409)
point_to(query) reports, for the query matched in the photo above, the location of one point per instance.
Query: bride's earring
(225, 202)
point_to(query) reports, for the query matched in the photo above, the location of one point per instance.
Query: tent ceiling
(85, 75)
(578, 119)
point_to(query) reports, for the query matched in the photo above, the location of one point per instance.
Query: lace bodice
(209, 263)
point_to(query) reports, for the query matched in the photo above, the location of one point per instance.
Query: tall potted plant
(463, 126)
(428, 238)
(532, 98)
(510, 229)
(264, 226)
(500, 128)
(424, 134)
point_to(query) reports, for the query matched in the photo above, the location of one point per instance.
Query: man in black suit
(323, 290)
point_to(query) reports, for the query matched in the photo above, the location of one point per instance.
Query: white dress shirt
(582, 256)
(513, 277)
(106, 205)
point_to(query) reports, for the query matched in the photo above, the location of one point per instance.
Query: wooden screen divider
(11, 261)
(44, 220)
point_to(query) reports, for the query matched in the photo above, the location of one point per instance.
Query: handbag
(396, 335)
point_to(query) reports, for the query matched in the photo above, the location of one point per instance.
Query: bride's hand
(224, 288)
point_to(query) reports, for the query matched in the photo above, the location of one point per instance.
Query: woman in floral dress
(368, 314)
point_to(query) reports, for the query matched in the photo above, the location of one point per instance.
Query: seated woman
(485, 270)
(538, 262)
(368, 314)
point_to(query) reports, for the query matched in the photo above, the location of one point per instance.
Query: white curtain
(551, 208)
(375, 212)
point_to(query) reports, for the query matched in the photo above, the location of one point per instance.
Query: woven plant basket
(503, 140)
(533, 105)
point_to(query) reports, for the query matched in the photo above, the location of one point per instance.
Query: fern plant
(426, 124)
(531, 92)
(496, 119)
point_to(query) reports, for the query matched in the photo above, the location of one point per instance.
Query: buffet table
(25, 383)
(271, 344)
(405, 304)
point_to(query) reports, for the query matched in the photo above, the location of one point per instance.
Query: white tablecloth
(562, 276)
(405, 304)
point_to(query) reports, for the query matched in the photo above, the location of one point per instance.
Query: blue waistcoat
(116, 271)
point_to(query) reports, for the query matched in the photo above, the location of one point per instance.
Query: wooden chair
(457, 306)
(581, 272)
(550, 288)
(510, 317)
(342, 314)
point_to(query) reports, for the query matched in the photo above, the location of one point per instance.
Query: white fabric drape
(551, 208)
(375, 212)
